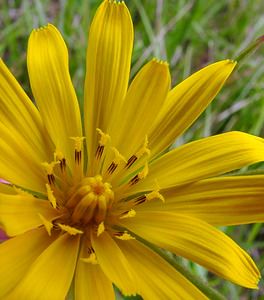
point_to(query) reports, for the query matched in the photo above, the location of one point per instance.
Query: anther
(131, 161)
(140, 199)
(134, 180)
(99, 152)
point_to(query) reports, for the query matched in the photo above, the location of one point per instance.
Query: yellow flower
(79, 199)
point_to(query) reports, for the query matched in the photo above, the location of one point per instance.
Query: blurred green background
(189, 35)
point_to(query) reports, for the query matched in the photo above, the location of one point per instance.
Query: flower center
(90, 201)
(86, 202)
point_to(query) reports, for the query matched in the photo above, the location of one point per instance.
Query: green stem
(254, 45)
(200, 283)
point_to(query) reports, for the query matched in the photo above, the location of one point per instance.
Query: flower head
(79, 199)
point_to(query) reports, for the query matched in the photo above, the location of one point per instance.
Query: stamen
(128, 214)
(58, 156)
(116, 161)
(150, 196)
(140, 199)
(141, 175)
(51, 197)
(47, 224)
(144, 149)
(134, 180)
(69, 229)
(104, 139)
(90, 259)
(99, 151)
(78, 148)
(139, 154)
(125, 236)
(131, 161)
(49, 168)
(155, 195)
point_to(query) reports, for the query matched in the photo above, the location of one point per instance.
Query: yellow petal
(186, 102)
(219, 201)
(198, 241)
(24, 141)
(113, 263)
(156, 278)
(19, 213)
(50, 276)
(108, 66)
(17, 254)
(17, 158)
(52, 88)
(142, 103)
(91, 282)
(204, 158)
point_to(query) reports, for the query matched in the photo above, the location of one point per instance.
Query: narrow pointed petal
(23, 159)
(186, 102)
(219, 201)
(52, 88)
(108, 66)
(141, 105)
(17, 254)
(201, 159)
(113, 263)
(50, 276)
(25, 142)
(198, 241)
(156, 278)
(91, 282)
(20, 213)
